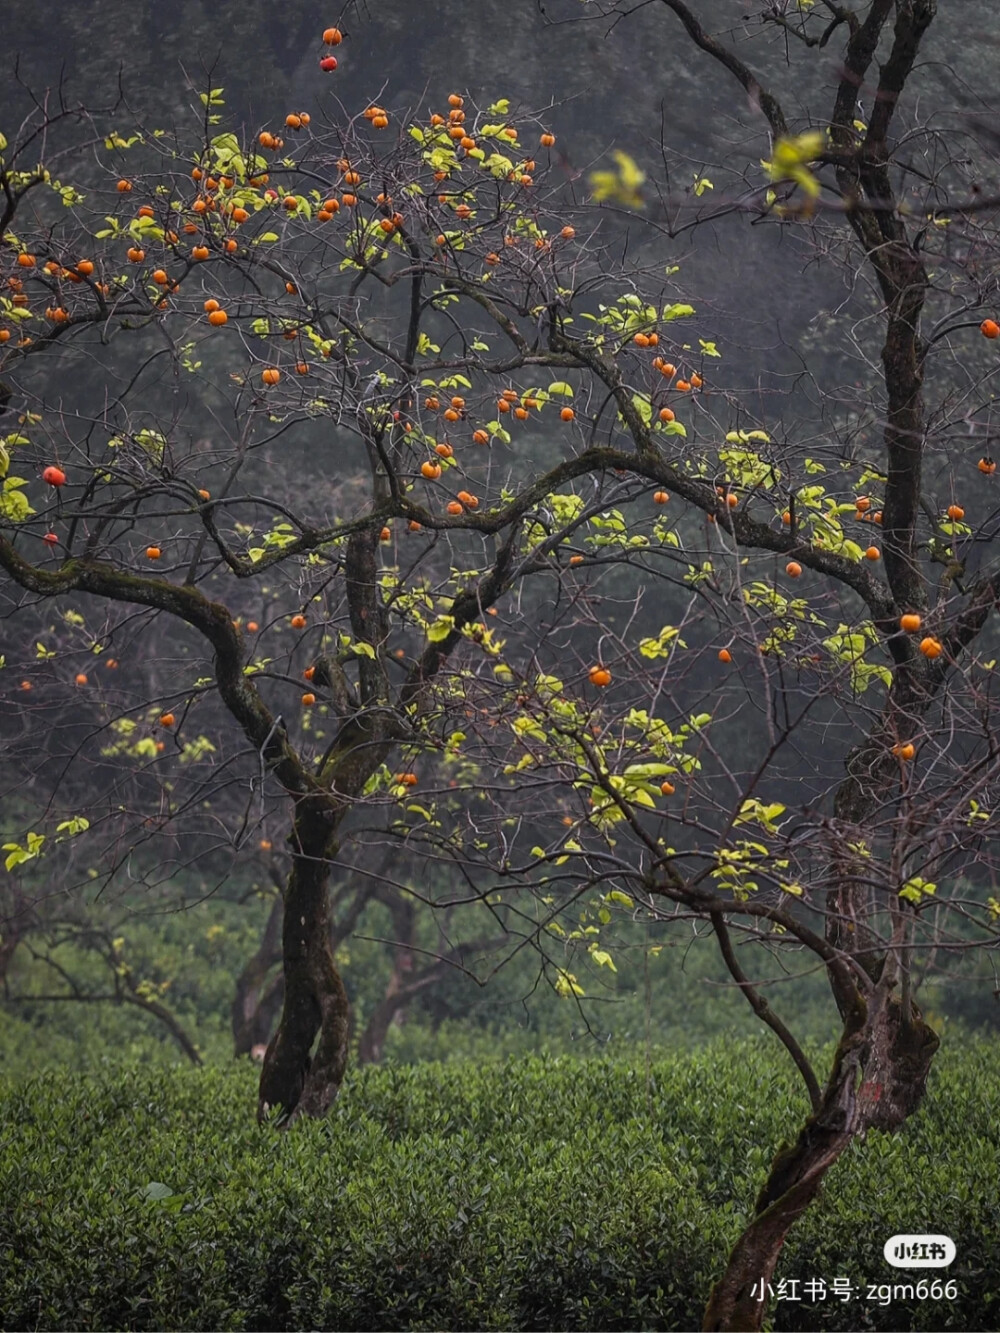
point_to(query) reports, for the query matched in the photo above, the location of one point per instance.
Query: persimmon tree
(913, 184)
(414, 310)
(487, 482)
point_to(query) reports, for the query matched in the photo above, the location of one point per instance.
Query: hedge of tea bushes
(537, 1193)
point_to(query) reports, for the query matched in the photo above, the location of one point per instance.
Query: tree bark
(739, 1300)
(372, 1042)
(878, 1078)
(405, 985)
(254, 1006)
(13, 925)
(8, 947)
(295, 1078)
(398, 990)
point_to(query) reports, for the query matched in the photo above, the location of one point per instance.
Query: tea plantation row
(545, 1193)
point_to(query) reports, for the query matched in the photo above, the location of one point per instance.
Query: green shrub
(537, 1193)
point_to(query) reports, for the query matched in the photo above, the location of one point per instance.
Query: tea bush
(548, 1192)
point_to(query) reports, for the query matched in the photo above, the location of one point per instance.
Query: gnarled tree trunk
(878, 1078)
(296, 1078)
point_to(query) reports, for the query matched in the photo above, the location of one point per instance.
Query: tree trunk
(13, 924)
(376, 1030)
(8, 947)
(878, 1079)
(405, 985)
(254, 1007)
(398, 990)
(294, 1077)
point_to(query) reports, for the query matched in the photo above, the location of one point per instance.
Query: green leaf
(156, 1191)
(621, 186)
(14, 505)
(78, 824)
(916, 887)
(567, 984)
(440, 629)
(643, 406)
(790, 156)
(640, 796)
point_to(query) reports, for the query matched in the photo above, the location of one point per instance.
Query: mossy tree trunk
(302, 1075)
